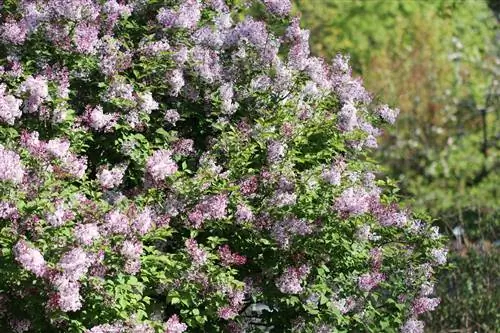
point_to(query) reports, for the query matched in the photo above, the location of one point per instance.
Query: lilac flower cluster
(211, 208)
(160, 165)
(229, 258)
(290, 282)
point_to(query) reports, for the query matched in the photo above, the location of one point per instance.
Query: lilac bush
(170, 166)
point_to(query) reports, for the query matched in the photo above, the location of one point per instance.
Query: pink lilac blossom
(376, 258)
(353, 201)
(143, 222)
(146, 102)
(14, 31)
(227, 95)
(344, 305)
(86, 234)
(176, 81)
(424, 304)
(229, 258)
(107, 328)
(333, 174)
(11, 168)
(58, 147)
(213, 207)
(174, 325)
(227, 312)
(68, 296)
(290, 281)
(244, 213)
(86, 38)
(183, 147)
(348, 119)
(172, 116)
(111, 178)
(120, 89)
(388, 114)
(131, 249)
(275, 151)
(115, 223)
(60, 216)
(160, 165)
(289, 227)
(413, 326)
(74, 264)
(249, 185)
(74, 165)
(154, 48)
(196, 253)
(206, 64)
(278, 7)
(37, 90)
(97, 120)
(439, 255)
(9, 106)
(8, 210)
(368, 281)
(30, 258)
(187, 16)
(75, 10)
(426, 289)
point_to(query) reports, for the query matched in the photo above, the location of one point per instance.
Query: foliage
(171, 165)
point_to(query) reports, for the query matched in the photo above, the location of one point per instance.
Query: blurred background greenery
(438, 61)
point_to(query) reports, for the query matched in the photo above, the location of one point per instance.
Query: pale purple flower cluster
(249, 185)
(86, 38)
(244, 213)
(161, 165)
(60, 216)
(278, 7)
(334, 173)
(9, 106)
(110, 178)
(353, 201)
(413, 326)
(229, 258)
(174, 325)
(388, 114)
(30, 258)
(344, 305)
(131, 250)
(424, 304)
(175, 78)
(275, 151)
(197, 254)
(211, 208)
(368, 281)
(68, 296)
(74, 264)
(98, 120)
(11, 168)
(290, 282)
(187, 16)
(172, 116)
(143, 222)
(107, 328)
(289, 227)
(86, 234)
(37, 90)
(116, 223)
(14, 31)
(439, 255)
